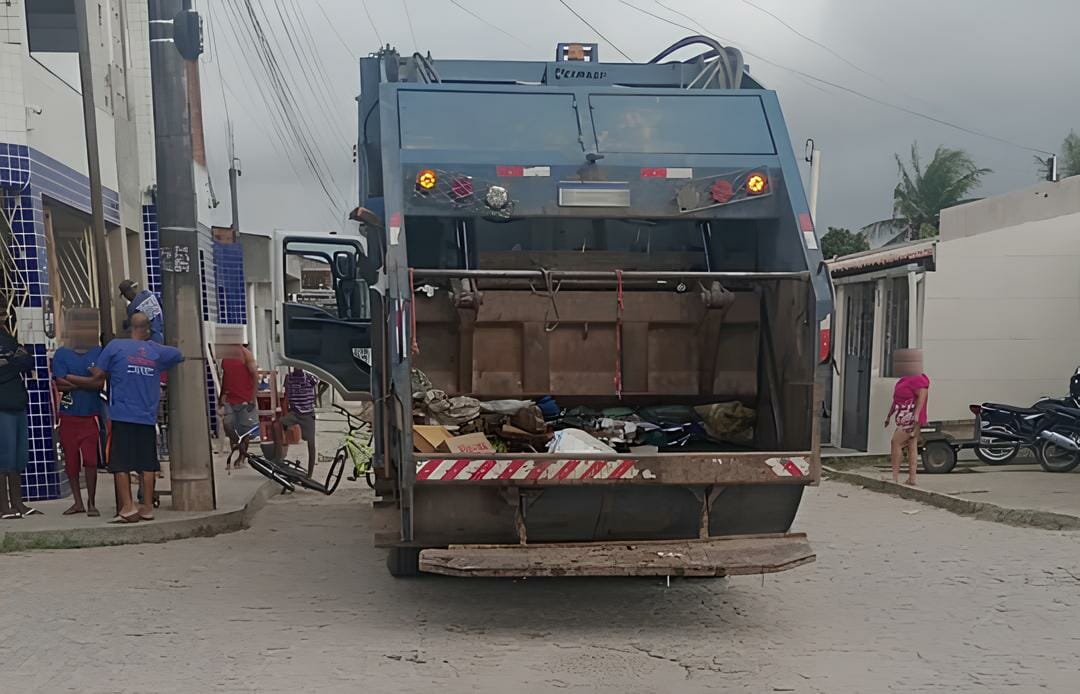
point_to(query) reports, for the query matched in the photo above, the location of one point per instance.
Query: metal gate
(858, 353)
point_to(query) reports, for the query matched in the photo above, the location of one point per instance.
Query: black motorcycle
(1050, 429)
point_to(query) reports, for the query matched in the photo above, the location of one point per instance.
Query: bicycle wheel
(337, 469)
(264, 467)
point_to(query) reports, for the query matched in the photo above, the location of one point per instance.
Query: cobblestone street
(903, 598)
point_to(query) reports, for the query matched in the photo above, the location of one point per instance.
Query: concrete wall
(1002, 313)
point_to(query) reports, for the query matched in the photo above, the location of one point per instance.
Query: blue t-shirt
(134, 368)
(81, 402)
(146, 302)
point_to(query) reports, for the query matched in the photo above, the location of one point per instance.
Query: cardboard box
(427, 438)
(469, 443)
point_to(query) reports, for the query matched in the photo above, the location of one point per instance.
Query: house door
(858, 348)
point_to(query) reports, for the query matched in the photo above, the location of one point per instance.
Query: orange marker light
(426, 179)
(756, 183)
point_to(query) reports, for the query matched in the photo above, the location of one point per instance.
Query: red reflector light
(756, 183)
(805, 223)
(510, 170)
(975, 409)
(722, 191)
(825, 339)
(461, 188)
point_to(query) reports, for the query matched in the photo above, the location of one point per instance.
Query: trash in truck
(469, 443)
(728, 421)
(577, 441)
(455, 410)
(427, 438)
(507, 407)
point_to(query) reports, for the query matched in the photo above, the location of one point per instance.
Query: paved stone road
(903, 598)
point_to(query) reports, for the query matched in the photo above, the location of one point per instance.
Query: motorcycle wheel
(1055, 459)
(997, 456)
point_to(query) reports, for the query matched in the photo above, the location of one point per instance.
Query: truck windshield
(590, 244)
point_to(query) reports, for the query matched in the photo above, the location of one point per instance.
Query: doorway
(858, 355)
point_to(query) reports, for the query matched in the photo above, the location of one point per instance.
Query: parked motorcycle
(1050, 429)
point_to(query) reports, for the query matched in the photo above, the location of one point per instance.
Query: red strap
(414, 346)
(618, 333)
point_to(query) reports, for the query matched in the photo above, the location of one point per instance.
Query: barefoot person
(79, 407)
(133, 367)
(908, 409)
(300, 389)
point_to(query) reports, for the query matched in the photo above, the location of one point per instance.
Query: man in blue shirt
(133, 367)
(79, 407)
(147, 303)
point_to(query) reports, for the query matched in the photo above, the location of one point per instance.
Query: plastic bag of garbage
(451, 411)
(577, 441)
(728, 421)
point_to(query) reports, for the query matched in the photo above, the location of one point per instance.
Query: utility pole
(93, 161)
(191, 468)
(813, 157)
(234, 174)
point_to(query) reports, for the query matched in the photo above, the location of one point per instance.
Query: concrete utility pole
(191, 467)
(234, 174)
(97, 210)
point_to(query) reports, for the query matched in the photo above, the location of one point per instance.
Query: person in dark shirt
(133, 368)
(79, 407)
(15, 361)
(300, 389)
(145, 302)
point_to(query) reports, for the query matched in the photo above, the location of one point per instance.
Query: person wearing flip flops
(15, 361)
(133, 368)
(79, 407)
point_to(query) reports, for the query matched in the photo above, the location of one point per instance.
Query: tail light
(975, 409)
(825, 339)
(461, 188)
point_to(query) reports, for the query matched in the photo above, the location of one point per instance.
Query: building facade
(48, 260)
(992, 302)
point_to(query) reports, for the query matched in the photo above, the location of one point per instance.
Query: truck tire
(938, 457)
(403, 562)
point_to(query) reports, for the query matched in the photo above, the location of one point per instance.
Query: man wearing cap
(146, 303)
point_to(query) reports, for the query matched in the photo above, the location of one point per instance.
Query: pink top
(904, 396)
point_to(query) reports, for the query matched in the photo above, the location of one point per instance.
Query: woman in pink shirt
(908, 408)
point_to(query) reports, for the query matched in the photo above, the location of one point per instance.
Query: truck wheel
(403, 562)
(938, 457)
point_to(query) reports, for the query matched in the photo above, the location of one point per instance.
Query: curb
(216, 523)
(981, 510)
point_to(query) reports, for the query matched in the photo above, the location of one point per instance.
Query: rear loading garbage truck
(616, 239)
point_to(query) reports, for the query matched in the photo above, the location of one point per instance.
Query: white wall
(12, 47)
(1002, 311)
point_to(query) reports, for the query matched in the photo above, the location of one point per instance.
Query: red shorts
(79, 437)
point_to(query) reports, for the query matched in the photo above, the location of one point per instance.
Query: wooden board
(722, 556)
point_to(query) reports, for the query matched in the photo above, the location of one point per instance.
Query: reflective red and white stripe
(527, 171)
(789, 467)
(445, 470)
(666, 172)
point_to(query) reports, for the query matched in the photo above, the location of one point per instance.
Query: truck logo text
(562, 73)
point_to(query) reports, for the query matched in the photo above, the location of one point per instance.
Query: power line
(333, 28)
(595, 30)
(412, 32)
(371, 21)
(497, 28)
(835, 85)
(826, 48)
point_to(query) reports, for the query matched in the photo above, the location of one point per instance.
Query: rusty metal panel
(667, 468)
(727, 556)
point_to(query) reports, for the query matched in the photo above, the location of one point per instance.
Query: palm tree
(921, 195)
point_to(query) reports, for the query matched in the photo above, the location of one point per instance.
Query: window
(896, 321)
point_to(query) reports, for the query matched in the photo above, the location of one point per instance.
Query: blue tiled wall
(27, 175)
(229, 273)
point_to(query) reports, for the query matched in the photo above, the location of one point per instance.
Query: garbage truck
(609, 237)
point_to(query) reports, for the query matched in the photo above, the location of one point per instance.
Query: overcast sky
(1000, 67)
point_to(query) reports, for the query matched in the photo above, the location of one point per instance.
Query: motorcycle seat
(1012, 409)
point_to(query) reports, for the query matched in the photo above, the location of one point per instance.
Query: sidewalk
(1022, 495)
(240, 494)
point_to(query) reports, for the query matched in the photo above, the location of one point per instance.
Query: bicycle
(358, 451)
(289, 474)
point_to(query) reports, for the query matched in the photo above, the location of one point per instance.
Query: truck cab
(603, 234)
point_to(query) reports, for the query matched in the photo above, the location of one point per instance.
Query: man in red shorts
(79, 407)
